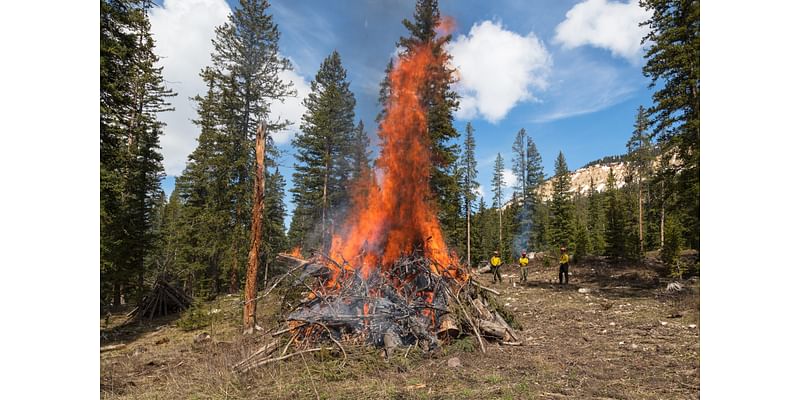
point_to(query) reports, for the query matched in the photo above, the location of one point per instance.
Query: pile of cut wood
(406, 305)
(163, 299)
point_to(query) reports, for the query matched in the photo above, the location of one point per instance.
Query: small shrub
(195, 317)
(466, 344)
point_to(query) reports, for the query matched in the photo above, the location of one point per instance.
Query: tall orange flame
(395, 214)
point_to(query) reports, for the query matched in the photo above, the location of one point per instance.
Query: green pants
(523, 274)
(496, 274)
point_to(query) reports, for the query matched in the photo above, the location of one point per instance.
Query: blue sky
(569, 72)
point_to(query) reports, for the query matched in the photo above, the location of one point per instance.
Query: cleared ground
(627, 338)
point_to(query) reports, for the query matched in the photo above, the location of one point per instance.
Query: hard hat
(563, 249)
(496, 252)
(523, 252)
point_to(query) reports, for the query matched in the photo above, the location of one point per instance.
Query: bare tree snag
(250, 287)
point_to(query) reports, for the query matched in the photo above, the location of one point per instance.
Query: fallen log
(112, 347)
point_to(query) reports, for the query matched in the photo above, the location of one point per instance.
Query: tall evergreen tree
(483, 233)
(640, 161)
(469, 183)
(615, 220)
(535, 178)
(132, 93)
(243, 82)
(498, 184)
(561, 205)
(274, 240)
(519, 163)
(325, 164)
(361, 153)
(440, 102)
(673, 65)
(595, 221)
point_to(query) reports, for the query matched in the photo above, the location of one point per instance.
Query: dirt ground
(614, 332)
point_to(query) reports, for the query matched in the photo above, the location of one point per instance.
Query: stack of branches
(163, 299)
(406, 304)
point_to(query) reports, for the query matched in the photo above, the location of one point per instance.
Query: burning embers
(402, 304)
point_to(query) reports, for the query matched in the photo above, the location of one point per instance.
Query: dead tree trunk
(250, 288)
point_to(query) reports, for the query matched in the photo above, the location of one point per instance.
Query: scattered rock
(634, 346)
(612, 323)
(162, 340)
(202, 338)
(584, 290)
(663, 323)
(692, 326)
(454, 362)
(622, 343)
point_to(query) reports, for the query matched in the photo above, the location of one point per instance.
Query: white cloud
(480, 192)
(292, 107)
(509, 178)
(515, 64)
(605, 24)
(183, 30)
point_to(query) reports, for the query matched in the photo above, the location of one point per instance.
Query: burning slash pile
(387, 278)
(408, 304)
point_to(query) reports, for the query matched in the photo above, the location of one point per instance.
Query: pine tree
(615, 237)
(498, 183)
(535, 179)
(469, 183)
(324, 166)
(523, 217)
(561, 205)
(595, 221)
(132, 93)
(243, 81)
(440, 102)
(519, 163)
(361, 153)
(385, 92)
(673, 65)
(640, 161)
(483, 233)
(274, 240)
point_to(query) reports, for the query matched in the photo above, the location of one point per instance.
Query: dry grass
(609, 343)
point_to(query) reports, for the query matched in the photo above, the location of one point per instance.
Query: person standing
(563, 267)
(495, 262)
(523, 267)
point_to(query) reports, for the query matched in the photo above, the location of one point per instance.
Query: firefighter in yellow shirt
(563, 267)
(523, 267)
(496, 262)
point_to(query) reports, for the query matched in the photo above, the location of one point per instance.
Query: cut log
(447, 327)
(492, 328)
(499, 319)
